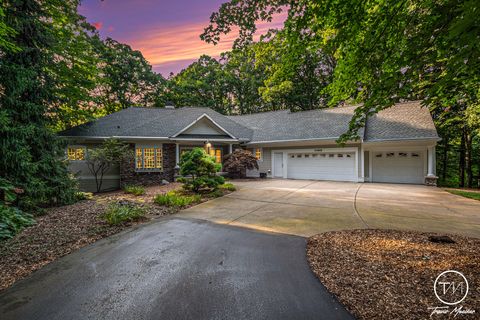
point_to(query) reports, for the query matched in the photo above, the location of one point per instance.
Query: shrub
(238, 162)
(83, 195)
(199, 171)
(173, 199)
(12, 220)
(135, 190)
(117, 213)
(228, 186)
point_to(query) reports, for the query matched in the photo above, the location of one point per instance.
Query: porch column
(177, 154)
(431, 159)
(230, 148)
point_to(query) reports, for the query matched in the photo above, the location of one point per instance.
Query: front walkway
(303, 207)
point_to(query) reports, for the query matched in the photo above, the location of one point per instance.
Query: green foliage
(32, 156)
(12, 221)
(238, 162)
(102, 158)
(83, 195)
(174, 199)
(199, 171)
(117, 213)
(135, 190)
(228, 186)
(466, 194)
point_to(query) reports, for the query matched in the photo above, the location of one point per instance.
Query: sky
(166, 32)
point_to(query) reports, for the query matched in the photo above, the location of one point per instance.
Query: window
(390, 154)
(76, 153)
(258, 153)
(217, 154)
(331, 155)
(340, 155)
(148, 158)
(349, 155)
(402, 154)
(307, 155)
(378, 155)
(415, 155)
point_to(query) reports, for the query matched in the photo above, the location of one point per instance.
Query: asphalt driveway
(305, 208)
(177, 269)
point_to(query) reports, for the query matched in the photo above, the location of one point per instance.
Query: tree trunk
(445, 159)
(468, 158)
(461, 166)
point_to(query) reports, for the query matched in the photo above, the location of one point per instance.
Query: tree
(198, 170)
(201, 84)
(128, 79)
(32, 156)
(101, 159)
(238, 162)
(382, 56)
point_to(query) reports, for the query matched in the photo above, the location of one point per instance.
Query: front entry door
(278, 165)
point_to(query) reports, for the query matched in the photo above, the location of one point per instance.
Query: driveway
(177, 269)
(305, 208)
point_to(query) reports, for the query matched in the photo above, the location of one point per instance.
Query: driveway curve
(177, 269)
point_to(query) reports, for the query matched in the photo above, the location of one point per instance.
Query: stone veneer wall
(128, 175)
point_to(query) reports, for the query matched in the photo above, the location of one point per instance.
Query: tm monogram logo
(451, 288)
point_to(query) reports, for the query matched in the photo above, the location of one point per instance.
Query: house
(397, 145)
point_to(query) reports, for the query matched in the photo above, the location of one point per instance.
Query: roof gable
(204, 125)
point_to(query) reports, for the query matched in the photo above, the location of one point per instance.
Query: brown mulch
(150, 192)
(62, 230)
(387, 274)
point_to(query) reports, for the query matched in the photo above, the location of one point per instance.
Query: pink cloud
(110, 29)
(98, 25)
(173, 45)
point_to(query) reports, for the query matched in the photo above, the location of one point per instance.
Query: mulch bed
(65, 229)
(386, 274)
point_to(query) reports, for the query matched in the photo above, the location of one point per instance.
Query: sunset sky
(166, 32)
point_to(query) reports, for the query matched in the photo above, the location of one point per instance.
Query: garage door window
(415, 155)
(390, 154)
(402, 154)
(378, 155)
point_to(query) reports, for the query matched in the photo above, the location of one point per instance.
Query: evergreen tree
(31, 155)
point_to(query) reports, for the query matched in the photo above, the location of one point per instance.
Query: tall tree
(201, 84)
(127, 78)
(31, 154)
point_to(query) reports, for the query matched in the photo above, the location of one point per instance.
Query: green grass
(174, 199)
(466, 194)
(135, 190)
(228, 186)
(117, 213)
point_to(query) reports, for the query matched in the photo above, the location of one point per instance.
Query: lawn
(466, 194)
(386, 274)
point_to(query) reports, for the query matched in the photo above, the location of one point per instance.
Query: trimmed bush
(198, 170)
(117, 213)
(228, 186)
(12, 221)
(238, 162)
(135, 190)
(173, 199)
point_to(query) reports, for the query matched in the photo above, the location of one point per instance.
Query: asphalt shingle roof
(153, 122)
(402, 121)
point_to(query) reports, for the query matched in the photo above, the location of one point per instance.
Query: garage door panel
(398, 167)
(339, 167)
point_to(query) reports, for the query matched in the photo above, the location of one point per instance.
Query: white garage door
(398, 167)
(339, 166)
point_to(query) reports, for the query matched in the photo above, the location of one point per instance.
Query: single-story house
(397, 145)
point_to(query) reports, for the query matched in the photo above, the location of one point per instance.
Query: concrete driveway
(302, 207)
(177, 269)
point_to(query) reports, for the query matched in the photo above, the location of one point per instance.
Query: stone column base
(431, 181)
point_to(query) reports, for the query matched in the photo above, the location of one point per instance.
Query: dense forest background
(56, 72)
